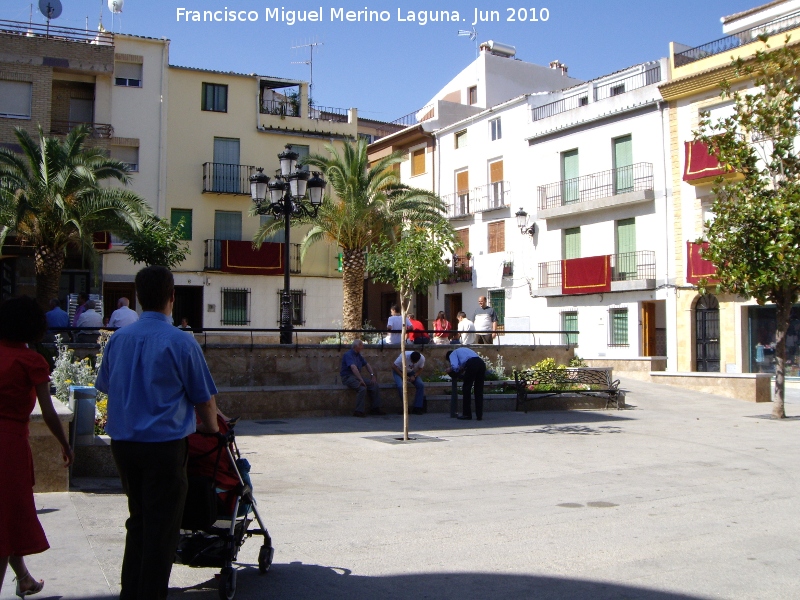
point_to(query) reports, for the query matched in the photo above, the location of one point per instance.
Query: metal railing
(633, 266)
(460, 270)
(479, 199)
(56, 32)
(221, 178)
(628, 84)
(283, 108)
(411, 118)
(550, 274)
(294, 259)
(553, 108)
(327, 113)
(213, 257)
(96, 130)
(458, 204)
(736, 40)
(633, 178)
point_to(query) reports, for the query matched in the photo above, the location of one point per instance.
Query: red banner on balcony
(590, 275)
(101, 240)
(240, 257)
(699, 164)
(698, 267)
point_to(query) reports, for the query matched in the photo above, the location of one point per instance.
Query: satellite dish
(115, 6)
(51, 9)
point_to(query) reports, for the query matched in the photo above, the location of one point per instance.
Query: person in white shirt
(123, 315)
(414, 364)
(92, 320)
(395, 324)
(467, 329)
(485, 321)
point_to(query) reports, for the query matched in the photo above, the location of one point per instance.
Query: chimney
(559, 66)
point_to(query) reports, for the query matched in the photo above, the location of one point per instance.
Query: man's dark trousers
(154, 479)
(474, 375)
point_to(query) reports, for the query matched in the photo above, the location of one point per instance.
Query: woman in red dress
(441, 326)
(24, 377)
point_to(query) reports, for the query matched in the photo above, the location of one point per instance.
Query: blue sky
(388, 69)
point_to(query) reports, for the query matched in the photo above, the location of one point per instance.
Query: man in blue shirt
(467, 364)
(350, 372)
(157, 382)
(56, 317)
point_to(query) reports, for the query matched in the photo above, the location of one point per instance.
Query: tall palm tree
(51, 198)
(370, 201)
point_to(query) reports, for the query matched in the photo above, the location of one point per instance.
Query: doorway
(189, 304)
(113, 291)
(452, 306)
(707, 334)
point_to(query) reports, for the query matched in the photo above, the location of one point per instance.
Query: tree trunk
(405, 302)
(48, 264)
(784, 309)
(354, 265)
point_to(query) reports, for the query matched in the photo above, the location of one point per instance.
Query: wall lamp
(522, 223)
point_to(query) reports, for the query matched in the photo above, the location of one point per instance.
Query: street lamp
(522, 223)
(285, 196)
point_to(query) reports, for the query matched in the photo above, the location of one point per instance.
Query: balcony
(327, 113)
(220, 178)
(101, 131)
(737, 40)
(493, 196)
(616, 187)
(56, 32)
(624, 272)
(234, 256)
(282, 108)
(460, 271)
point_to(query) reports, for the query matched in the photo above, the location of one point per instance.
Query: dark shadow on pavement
(297, 581)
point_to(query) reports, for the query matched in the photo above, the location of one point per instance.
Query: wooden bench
(544, 383)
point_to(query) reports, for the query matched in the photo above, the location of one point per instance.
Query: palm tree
(370, 202)
(51, 199)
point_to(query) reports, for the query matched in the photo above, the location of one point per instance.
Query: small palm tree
(51, 199)
(370, 202)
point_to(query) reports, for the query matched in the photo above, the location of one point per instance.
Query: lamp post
(522, 223)
(285, 197)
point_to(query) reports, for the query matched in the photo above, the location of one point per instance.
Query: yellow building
(714, 332)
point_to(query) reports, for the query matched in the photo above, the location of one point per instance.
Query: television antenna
(472, 35)
(115, 6)
(309, 62)
(51, 9)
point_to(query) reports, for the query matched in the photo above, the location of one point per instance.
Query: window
(569, 322)
(583, 101)
(418, 162)
(495, 130)
(15, 99)
(472, 95)
(235, 306)
(570, 186)
(176, 214)
(462, 193)
(572, 243)
(298, 312)
(215, 97)
(618, 327)
(497, 237)
(497, 300)
(227, 225)
(128, 74)
(302, 152)
(463, 237)
(618, 89)
(496, 185)
(129, 155)
(460, 139)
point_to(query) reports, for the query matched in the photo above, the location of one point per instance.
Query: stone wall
(48, 466)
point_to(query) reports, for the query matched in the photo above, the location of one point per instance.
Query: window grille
(298, 306)
(618, 327)
(569, 322)
(497, 300)
(235, 306)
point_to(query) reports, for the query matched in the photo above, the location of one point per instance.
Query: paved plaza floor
(684, 495)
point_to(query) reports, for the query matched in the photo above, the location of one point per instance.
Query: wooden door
(649, 329)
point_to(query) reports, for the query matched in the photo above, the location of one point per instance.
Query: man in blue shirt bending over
(157, 380)
(467, 364)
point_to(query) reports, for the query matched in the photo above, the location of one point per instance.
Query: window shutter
(572, 243)
(128, 70)
(418, 162)
(15, 98)
(496, 171)
(463, 236)
(497, 237)
(462, 181)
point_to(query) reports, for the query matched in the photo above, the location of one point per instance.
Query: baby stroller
(220, 507)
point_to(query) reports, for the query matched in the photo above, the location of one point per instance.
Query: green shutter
(569, 322)
(227, 225)
(569, 176)
(618, 318)
(626, 250)
(572, 243)
(497, 300)
(186, 214)
(623, 165)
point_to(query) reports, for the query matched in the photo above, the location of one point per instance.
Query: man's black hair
(154, 287)
(22, 320)
(415, 356)
(447, 354)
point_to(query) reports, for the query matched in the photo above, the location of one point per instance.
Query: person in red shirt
(417, 334)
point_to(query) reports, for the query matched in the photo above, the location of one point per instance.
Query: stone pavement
(683, 496)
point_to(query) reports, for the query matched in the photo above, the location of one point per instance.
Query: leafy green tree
(158, 243)
(51, 198)
(411, 262)
(370, 202)
(754, 237)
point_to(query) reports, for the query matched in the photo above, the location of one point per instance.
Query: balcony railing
(412, 119)
(480, 199)
(213, 256)
(327, 113)
(627, 266)
(632, 178)
(553, 108)
(283, 108)
(56, 32)
(220, 178)
(96, 130)
(736, 40)
(628, 84)
(460, 271)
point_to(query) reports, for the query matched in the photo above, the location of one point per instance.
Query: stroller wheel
(265, 558)
(227, 583)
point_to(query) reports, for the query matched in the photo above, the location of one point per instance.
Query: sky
(388, 69)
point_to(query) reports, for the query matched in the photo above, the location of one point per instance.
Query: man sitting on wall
(466, 329)
(350, 372)
(414, 364)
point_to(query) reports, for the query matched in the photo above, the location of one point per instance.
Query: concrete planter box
(48, 467)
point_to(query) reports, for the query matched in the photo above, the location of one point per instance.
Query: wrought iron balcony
(327, 113)
(460, 271)
(604, 184)
(550, 274)
(627, 266)
(483, 198)
(736, 40)
(220, 178)
(96, 130)
(412, 119)
(283, 108)
(56, 32)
